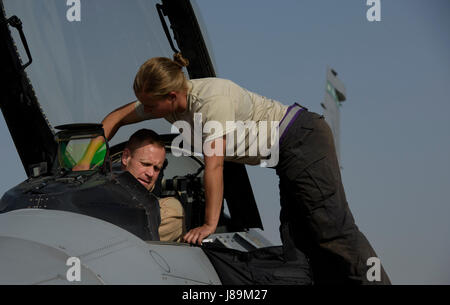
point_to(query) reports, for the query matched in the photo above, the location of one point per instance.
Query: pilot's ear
(125, 156)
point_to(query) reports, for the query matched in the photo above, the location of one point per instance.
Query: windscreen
(86, 55)
(72, 151)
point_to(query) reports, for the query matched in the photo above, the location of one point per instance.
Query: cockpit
(180, 177)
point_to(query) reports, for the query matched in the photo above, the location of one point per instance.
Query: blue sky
(395, 144)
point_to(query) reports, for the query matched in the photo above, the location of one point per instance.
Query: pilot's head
(144, 157)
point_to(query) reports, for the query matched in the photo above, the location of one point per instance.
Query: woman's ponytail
(180, 60)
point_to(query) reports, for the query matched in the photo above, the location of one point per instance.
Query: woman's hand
(197, 235)
(85, 163)
(81, 167)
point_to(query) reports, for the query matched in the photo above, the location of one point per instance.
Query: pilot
(144, 157)
(315, 216)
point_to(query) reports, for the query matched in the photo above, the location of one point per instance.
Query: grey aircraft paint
(36, 244)
(335, 94)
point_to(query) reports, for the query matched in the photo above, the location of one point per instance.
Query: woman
(315, 217)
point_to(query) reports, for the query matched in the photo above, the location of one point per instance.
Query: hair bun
(179, 59)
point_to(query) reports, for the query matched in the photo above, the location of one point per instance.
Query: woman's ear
(173, 95)
(179, 100)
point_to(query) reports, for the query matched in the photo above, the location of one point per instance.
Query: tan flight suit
(172, 226)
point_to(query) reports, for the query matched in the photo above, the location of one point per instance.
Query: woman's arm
(111, 123)
(213, 178)
(122, 116)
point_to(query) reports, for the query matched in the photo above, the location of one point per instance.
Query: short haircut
(144, 136)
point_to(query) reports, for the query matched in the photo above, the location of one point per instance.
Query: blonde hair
(160, 75)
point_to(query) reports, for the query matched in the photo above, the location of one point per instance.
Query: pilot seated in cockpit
(144, 157)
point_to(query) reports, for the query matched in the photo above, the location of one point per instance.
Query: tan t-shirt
(226, 103)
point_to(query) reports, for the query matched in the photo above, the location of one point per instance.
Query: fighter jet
(335, 95)
(60, 66)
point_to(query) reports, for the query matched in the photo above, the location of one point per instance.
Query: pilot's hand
(196, 236)
(81, 167)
